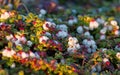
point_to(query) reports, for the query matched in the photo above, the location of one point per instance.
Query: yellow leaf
(19, 17)
(10, 44)
(69, 71)
(19, 47)
(21, 72)
(43, 67)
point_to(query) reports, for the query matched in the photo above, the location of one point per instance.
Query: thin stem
(83, 62)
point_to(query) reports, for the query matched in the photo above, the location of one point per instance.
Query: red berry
(107, 63)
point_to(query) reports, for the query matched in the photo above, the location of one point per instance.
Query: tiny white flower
(75, 39)
(12, 52)
(24, 55)
(71, 43)
(105, 60)
(117, 27)
(113, 22)
(17, 36)
(103, 31)
(29, 43)
(77, 46)
(40, 15)
(94, 46)
(87, 34)
(93, 24)
(102, 37)
(93, 50)
(89, 43)
(101, 21)
(43, 12)
(48, 25)
(116, 32)
(31, 54)
(93, 42)
(1, 23)
(43, 38)
(88, 46)
(62, 34)
(37, 55)
(47, 34)
(75, 20)
(23, 39)
(80, 29)
(89, 50)
(17, 42)
(118, 55)
(13, 65)
(70, 39)
(85, 41)
(53, 25)
(71, 50)
(5, 15)
(62, 27)
(8, 53)
(9, 37)
(91, 27)
(70, 22)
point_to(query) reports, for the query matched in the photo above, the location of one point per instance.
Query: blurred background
(64, 3)
(93, 7)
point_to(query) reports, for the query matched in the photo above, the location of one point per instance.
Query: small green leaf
(99, 59)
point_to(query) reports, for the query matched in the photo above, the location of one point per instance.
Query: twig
(25, 7)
